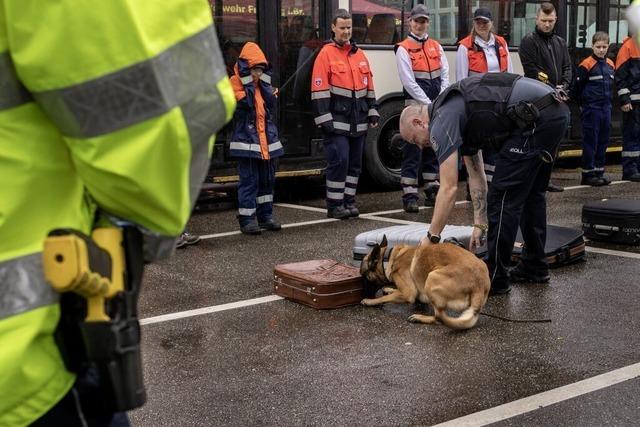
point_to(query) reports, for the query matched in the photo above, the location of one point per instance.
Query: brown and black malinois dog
(444, 275)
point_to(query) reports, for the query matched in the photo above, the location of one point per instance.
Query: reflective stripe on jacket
(477, 59)
(594, 82)
(342, 92)
(627, 77)
(254, 133)
(125, 126)
(426, 64)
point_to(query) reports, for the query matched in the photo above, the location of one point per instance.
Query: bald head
(414, 125)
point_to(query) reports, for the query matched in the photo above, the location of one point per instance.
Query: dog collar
(384, 270)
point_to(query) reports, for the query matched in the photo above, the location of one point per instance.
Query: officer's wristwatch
(433, 238)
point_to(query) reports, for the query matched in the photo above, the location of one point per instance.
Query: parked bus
(291, 31)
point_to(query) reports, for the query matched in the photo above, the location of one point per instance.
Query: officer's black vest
(486, 97)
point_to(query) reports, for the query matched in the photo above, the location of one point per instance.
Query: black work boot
(520, 273)
(251, 228)
(411, 206)
(353, 210)
(552, 188)
(605, 179)
(430, 194)
(635, 177)
(338, 212)
(270, 224)
(592, 180)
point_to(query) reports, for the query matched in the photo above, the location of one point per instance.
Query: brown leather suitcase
(320, 284)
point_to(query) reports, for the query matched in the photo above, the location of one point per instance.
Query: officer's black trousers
(517, 194)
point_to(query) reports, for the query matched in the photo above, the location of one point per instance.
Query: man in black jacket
(545, 57)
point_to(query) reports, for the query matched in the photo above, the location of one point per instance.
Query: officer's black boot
(411, 206)
(520, 273)
(251, 228)
(353, 210)
(270, 224)
(338, 212)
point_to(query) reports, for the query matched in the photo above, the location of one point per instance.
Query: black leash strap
(506, 319)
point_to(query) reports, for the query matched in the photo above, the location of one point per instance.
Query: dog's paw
(421, 318)
(366, 302)
(388, 290)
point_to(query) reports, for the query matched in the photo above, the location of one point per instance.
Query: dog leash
(507, 319)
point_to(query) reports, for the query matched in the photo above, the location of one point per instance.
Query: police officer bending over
(522, 119)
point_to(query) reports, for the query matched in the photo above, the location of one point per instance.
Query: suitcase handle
(604, 232)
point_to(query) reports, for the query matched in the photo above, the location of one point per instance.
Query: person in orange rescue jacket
(344, 105)
(483, 51)
(255, 142)
(627, 81)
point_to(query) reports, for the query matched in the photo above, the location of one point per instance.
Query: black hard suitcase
(613, 220)
(563, 246)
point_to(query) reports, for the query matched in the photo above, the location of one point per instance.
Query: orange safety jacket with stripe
(477, 59)
(342, 93)
(627, 77)
(426, 64)
(254, 133)
(594, 82)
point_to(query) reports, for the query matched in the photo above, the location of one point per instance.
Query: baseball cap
(419, 11)
(483, 13)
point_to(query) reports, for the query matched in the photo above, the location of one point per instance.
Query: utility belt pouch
(100, 280)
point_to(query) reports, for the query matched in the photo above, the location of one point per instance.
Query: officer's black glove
(374, 120)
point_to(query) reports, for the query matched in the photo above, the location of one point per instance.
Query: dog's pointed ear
(384, 243)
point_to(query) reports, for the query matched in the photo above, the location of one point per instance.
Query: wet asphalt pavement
(281, 363)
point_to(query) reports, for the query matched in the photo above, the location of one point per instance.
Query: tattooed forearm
(479, 200)
(476, 162)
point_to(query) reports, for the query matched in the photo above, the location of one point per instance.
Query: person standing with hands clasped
(344, 104)
(424, 73)
(592, 91)
(255, 141)
(545, 57)
(481, 52)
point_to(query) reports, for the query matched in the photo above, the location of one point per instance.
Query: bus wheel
(383, 148)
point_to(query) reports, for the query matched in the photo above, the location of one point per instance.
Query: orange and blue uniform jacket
(342, 93)
(255, 134)
(627, 76)
(594, 82)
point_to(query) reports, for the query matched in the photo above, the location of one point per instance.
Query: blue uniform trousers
(596, 125)
(255, 189)
(517, 195)
(344, 164)
(412, 158)
(631, 142)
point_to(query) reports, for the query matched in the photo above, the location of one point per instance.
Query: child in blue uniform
(592, 90)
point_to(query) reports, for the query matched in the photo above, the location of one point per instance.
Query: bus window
(236, 23)
(377, 21)
(581, 24)
(618, 29)
(444, 21)
(298, 42)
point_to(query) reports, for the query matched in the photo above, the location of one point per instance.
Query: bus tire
(383, 147)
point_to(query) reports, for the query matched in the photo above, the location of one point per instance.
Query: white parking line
(613, 252)
(547, 398)
(208, 310)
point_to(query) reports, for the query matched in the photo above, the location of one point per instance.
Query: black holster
(112, 347)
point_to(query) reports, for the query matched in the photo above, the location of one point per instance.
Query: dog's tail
(469, 317)
(466, 320)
